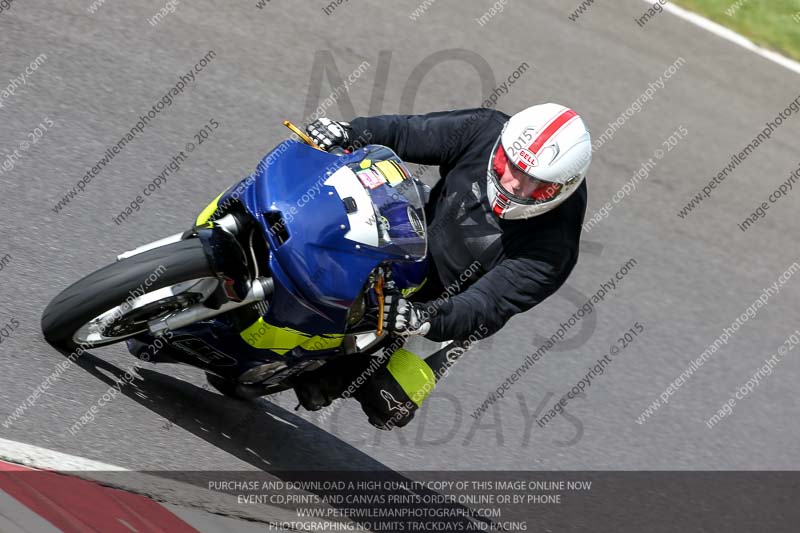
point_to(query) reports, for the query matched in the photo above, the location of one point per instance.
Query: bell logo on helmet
(528, 157)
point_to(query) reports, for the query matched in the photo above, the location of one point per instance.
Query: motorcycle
(279, 274)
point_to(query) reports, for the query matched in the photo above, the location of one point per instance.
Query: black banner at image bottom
(496, 501)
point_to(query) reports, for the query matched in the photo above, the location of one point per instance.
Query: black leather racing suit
(493, 268)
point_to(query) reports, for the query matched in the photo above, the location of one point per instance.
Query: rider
(509, 209)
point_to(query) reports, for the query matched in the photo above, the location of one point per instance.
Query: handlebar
(335, 150)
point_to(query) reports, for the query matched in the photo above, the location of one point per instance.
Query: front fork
(228, 261)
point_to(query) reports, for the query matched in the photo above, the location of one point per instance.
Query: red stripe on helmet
(500, 204)
(560, 121)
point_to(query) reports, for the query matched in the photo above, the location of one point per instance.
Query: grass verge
(773, 24)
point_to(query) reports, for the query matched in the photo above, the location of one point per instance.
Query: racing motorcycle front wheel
(117, 301)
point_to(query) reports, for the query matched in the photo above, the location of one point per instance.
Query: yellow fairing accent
(411, 290)
(413, 374)
(206, 213)
(280, 340)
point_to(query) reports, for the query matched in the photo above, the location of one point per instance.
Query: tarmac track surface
(692, 276)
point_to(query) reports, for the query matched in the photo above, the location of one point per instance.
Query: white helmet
(539, 160)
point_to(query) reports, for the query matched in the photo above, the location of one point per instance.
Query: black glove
(395, 391)
(405, 318)
(328, 133)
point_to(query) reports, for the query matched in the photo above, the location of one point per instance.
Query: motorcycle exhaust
(260, 289)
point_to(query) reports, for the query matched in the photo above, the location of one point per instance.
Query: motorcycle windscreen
(399, 214)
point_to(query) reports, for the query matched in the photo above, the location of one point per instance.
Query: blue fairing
(318, 272)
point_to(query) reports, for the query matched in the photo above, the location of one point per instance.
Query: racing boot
(337, 378)
(397, 388)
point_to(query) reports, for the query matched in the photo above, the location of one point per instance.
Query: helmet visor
(517, 183)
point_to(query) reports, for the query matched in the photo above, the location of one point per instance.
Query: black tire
(112, 285)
